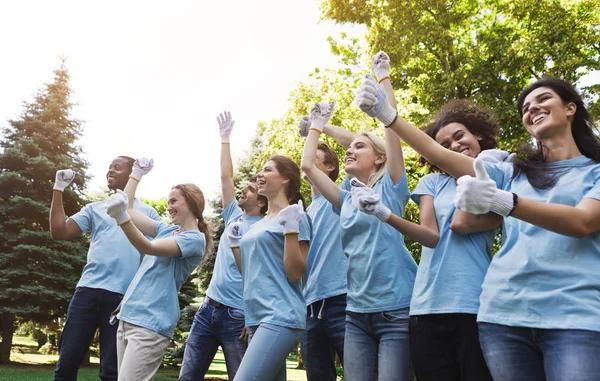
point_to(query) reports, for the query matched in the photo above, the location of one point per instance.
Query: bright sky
(151, 77)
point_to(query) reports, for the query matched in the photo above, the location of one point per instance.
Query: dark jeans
(445, 347)
(533, 354)
(213, 326)
(89, 310)
(324, 337)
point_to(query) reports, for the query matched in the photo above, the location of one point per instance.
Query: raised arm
(60, 226)
(342, 136)
(145, 224)
(393, 148)
(295, 252)
(116, 207)
(370, 101)
(227, 186)
(319, 117)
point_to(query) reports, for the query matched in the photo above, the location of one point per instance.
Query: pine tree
(38, 274)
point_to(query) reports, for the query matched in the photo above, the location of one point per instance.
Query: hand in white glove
(225, 126)
(291, 217)
(63, 178)
(116, 207)
(372, 100)
(304, 126)
(235, 231)
(496, 156)
(479, 194)
(368, 201)
(142, 166)
(381, 65)
(320, 115)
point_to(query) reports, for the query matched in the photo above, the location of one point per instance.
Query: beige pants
(140, 352)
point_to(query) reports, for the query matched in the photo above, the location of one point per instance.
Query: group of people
(338, 276)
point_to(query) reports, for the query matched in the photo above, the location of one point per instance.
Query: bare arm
(578, 221)
(467, 223)
(426, 233)
(144, 223)
(340, 135)
(61, 227)
(238, 258)
(323, 183)
(161, 247)
(393, 148)
(294, 257)
(227, 187)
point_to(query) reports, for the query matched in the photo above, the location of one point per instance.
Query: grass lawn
(29, 365)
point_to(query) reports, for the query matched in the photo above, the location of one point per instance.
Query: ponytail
(206, 228)
(297, 197)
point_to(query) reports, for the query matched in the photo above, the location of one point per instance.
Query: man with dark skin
(111, 264)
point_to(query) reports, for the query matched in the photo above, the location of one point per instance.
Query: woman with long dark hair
(539, 315)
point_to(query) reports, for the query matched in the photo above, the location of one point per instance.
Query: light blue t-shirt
(450, 275)
(539, 278)
(268, 295)
(151, 300)
(327, 265)
(111, 261)
(381, 272)
(226, 286)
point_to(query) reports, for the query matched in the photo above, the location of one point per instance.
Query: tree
(38, 274)
(486, 50)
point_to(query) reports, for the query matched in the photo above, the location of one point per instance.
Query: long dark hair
(478, 120)
(195, 200)
(533, 163)
(288, 169)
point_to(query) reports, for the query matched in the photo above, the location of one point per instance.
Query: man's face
(118, 173)
(249, 197)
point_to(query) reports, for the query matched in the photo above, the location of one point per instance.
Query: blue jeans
(376, 346)
(265, 358)
(532, 354)
(324, 336)
(213, 327)
(89, 309)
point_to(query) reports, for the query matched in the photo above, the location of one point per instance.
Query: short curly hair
(479, 121)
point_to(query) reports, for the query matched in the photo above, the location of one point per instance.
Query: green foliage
(486, 50)
(37, 273)
(160, 206)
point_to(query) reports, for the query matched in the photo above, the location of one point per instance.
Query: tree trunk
(7, 328)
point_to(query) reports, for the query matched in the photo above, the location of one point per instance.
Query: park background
(83, 83)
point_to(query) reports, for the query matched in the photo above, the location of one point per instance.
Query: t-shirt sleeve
(305, 229)
(345, 185)
(231, 212)
(83, 218)
(395, 194)
(594, 192)
(191, 243)
(426, 186)
(501, 173)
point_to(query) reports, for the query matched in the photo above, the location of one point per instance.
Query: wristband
(515, 202)
(393, 121)
(135, 178)
(316, 129)
(384, 78)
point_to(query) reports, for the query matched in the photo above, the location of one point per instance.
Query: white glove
(116, 207)
(479, 195)
(372, 100)
(496, 156)
(304, 126)
(225, 126)
(63, 178)
(320, 115)
(380, 65)
(291, 217)
(141, 167)
(235, 231)
(368, 201)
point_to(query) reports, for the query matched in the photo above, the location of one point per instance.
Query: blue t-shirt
(151, 300)
(111, 261)
(381, 272)
(327, 266)
(450, 275)
(268, 295)
(226, 285)
(539, 278)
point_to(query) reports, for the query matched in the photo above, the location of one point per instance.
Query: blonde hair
(378, 145)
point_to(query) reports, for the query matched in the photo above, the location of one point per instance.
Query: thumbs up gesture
(479, 194)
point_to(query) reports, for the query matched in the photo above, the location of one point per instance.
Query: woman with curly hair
(444, 339)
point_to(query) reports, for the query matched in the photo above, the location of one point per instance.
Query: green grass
(29, 365)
